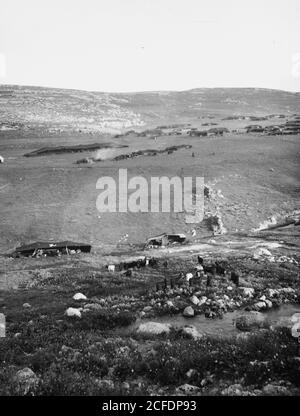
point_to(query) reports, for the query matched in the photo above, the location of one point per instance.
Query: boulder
(272, 292)
(170, 304)
(26, 305)
(73, 312)
(26, 381)
(202, 301)
(268, 303)
(155, 328)
(191, 332)
(296, 330)
(79, 296)
(195, 300)
(188, 312)
(259, 305)
(187, 389)
(248, 291)
(252, 320)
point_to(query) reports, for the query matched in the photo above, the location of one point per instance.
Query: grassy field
(53, 198)
(97, 354)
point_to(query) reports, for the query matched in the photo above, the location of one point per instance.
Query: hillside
(62, 110)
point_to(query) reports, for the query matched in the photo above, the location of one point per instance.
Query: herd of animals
(202, 271)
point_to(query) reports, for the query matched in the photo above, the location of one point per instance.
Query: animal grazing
(234, 277)
(209, 281)
(200, 260)
(111, 268)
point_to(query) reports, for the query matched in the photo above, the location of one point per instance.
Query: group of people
(209, 271)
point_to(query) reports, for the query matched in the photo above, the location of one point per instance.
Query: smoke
(103, 154)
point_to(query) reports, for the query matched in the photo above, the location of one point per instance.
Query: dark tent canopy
(30, 249)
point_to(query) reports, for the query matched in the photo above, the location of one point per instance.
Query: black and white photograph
(149, 201)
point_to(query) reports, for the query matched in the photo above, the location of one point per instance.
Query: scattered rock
(155, 328)
(261, 252)
(170, 304)
(188, 312)
(73, 312)
(233, 390)
(187, 389)
(105, 384)
(252, 320)
(272, 292)
(191, 373)
(65, 349)
(79, 296)
(125, 385)
(286, 290)
(275, 390)
(202, 301)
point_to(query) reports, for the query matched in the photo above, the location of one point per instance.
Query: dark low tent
(165, 239)
(62, 246)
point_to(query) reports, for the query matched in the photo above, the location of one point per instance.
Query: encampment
(51, 248)
(165, 239)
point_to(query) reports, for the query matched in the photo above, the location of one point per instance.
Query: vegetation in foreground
(97, 354)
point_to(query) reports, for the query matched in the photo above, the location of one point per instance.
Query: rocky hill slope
(24, 107)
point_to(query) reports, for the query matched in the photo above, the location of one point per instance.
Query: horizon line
(148, 91)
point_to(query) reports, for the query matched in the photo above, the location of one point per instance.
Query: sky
(146, 45)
